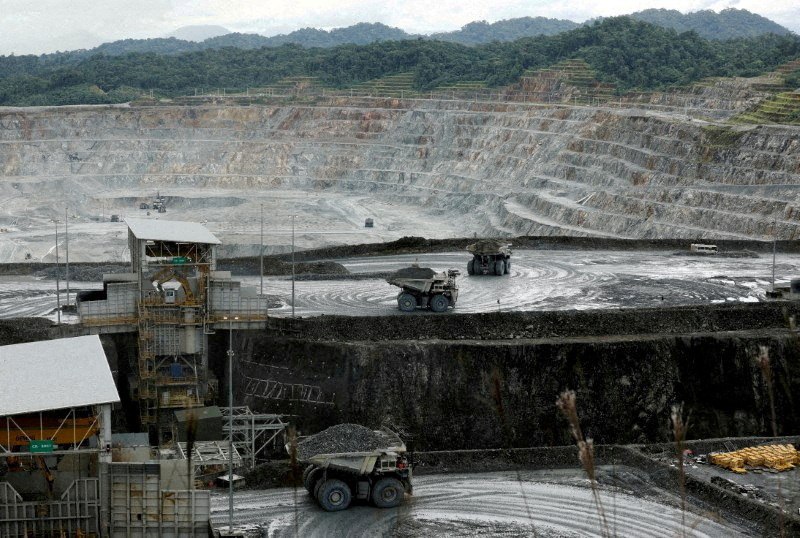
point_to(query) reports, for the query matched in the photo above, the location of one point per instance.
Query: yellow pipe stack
(778, 457)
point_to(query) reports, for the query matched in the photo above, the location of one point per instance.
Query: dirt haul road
(547, 280)
(539, 280)
(536, 503)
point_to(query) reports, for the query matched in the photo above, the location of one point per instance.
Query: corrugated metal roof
(54, 374)
(171, 230)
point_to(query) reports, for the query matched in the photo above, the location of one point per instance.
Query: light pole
(293, 266)
(774, 248)
(58, 287)
(261, 251)
(66, 248)
(230, 422)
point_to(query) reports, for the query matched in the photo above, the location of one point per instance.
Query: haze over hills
(729, 23)
(199, 32)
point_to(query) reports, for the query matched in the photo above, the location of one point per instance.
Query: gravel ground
(531, 503)
(546, 280)
(539, 280)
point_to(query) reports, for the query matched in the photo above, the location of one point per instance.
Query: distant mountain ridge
(362, 33)
(479, 32)
(358, 34)
(729, 23)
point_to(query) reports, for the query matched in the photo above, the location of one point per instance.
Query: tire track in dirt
(486, 504)
(542, 280)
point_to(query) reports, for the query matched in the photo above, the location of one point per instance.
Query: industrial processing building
(173, 299)
(62, 471)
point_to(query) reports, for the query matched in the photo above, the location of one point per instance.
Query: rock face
(459, 167)
(500, 391)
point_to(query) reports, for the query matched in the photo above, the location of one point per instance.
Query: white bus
(703, 249)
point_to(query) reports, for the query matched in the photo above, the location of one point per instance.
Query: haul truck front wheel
(388, 492)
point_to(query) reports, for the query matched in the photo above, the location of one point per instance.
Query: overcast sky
(39, 26)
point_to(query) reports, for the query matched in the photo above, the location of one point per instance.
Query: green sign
(179, 260)
(41, 446)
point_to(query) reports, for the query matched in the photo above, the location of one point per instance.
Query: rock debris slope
(420, 167)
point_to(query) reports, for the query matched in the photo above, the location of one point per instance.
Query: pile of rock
(81, 273)
(414, 272)
(340, 438)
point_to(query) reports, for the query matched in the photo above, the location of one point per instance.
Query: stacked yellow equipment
(778, 457)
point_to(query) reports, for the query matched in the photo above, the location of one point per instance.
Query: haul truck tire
(439, 303)
(406, 302)
(508, 267)
(388, 492)
(310, 477)
(334, 495)
(318, 484)
(499, 267)
(471, 267)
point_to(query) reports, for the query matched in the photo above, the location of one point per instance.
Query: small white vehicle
(699, 248)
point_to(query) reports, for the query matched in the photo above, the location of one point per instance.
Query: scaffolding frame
(252, 432)
(153, 381)
(208, 456)
(271, 389)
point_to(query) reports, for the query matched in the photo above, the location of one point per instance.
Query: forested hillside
(727, 24)
(627, 53)
(478, 32)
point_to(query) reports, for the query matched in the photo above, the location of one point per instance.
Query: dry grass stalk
(765, 365)
(291, 441)
(679, 427)
(566, 403)
(496, 393)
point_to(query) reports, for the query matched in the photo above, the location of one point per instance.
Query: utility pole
(58, 286)
(230, 424)
(66, 248)
(774, 248)
(292, 266)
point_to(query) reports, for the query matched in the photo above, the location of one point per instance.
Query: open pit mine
(200, 285)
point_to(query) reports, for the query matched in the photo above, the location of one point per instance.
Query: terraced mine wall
(413, 245)
(500, 168)
(482, 381)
